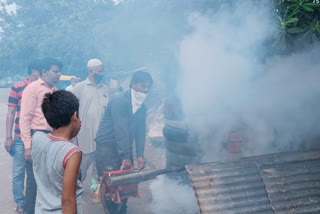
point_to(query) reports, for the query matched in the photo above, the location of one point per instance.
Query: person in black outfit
(124, 120)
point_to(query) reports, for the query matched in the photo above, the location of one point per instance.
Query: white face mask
(137, 99)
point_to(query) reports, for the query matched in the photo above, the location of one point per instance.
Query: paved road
(154, 156)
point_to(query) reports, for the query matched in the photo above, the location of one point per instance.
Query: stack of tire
(181, 150)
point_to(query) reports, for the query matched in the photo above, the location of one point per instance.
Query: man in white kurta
(93, 97)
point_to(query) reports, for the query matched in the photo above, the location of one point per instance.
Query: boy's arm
(69, 186)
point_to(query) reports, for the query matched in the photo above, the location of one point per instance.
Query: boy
(56, 160)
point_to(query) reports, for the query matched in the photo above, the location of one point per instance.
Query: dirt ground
(154, 156)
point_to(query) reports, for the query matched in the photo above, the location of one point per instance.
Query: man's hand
(27, 154)
(141, 163)
(8, 144)
(126, 164)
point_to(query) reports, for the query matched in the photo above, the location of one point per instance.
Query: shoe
(19, 210)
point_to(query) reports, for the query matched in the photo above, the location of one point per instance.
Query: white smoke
(172, 197)
(226, 84)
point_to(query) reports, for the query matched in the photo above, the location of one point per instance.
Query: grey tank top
(50, 155)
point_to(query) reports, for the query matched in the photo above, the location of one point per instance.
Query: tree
(127, 35)
(299, 22)
(77, 31)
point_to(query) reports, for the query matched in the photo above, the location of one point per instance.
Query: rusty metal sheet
(276, 183)
(293, 187)
(229, 188)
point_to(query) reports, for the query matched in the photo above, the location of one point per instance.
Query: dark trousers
(31, 190)
(107, 159)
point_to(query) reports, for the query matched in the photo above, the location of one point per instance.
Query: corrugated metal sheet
(276, 183)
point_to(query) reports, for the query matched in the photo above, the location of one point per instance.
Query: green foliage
(48, 28)
(298, 21)
(121, 35)
(75, 31)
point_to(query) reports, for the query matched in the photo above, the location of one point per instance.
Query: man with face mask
(93, 97)
(13, 114)
(124, 120)
(32, 118)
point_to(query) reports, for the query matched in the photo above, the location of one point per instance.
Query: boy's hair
(46, 64)
(36, 64)
(59, 107)
(141, 77)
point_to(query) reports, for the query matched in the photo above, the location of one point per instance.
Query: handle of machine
(126, 170)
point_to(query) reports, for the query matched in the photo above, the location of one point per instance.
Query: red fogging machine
(121, 184)
(116, 193)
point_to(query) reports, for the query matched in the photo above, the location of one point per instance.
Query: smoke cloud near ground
(172, 196)
(230, 81)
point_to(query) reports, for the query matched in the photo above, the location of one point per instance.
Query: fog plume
(230, 81)
(172, 197)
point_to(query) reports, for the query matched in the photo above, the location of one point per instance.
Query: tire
(175, 134)
(181, 148)
(177, 160)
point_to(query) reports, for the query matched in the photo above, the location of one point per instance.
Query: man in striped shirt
(13, 116)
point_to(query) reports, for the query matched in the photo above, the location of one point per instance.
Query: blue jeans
(18, 172)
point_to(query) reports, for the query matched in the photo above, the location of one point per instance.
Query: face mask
(97, 77)
(49, 81)
(137, 99)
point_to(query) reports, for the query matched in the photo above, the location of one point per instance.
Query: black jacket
(119, 127)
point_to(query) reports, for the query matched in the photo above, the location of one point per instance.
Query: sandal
(19, 210)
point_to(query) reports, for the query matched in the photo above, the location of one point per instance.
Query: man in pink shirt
(32, 119)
